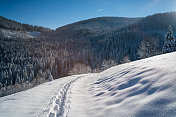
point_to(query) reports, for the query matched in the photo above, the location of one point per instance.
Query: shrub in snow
(80, 68)
(169, 42)
(125, 60)
(49, 75)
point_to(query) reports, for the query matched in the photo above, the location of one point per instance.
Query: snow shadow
(130, 83)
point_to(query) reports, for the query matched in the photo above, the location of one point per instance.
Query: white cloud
(155, 2)
(100, 10)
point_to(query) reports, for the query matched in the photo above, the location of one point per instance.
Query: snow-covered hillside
(143, 88)
(16, 34)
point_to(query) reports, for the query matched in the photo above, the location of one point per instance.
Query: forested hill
(91, 45)
(13, 25)
(97, 25)
(114, 37)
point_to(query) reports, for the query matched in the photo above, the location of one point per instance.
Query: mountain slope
(113, 38)
(91, 43)
(13, 25)
(13, 29)
(142, 88)
(96, 25)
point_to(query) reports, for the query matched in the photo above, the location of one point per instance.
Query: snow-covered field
(144, 88)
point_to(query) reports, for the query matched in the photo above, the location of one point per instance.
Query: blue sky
(56, 13)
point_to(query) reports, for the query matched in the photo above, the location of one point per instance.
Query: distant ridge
(13, 25)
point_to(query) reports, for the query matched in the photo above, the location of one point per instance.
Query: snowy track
(60, 103)
(49, 99)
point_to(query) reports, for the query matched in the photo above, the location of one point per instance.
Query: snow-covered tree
(107, 64)
(169, 42)
(149, 47)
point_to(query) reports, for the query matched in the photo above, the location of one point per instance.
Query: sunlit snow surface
(145, 88)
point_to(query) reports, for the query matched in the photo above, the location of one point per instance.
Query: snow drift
(144, 88)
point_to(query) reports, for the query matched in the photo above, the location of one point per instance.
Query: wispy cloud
(100, 10)
(155, 2)
(152, 4)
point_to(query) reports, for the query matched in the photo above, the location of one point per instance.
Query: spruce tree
(169, 42)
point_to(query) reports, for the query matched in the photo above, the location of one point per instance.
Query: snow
(32, 102)
(144, 88)
(17, 34)
(35, 33)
